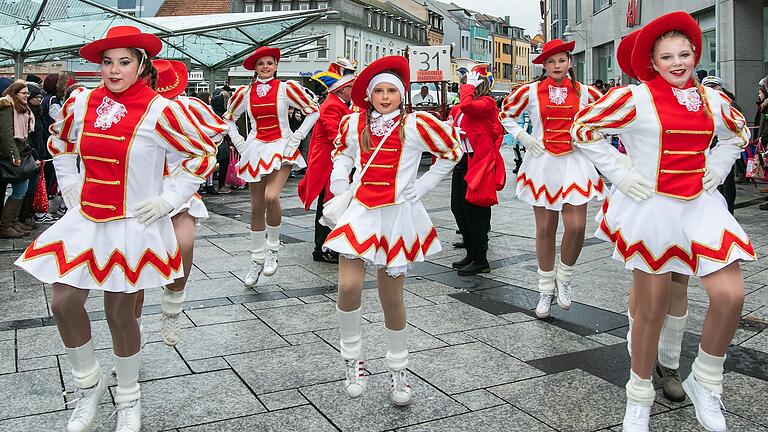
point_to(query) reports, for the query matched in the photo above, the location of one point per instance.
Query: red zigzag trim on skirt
(698, 250)
(261, 166)
(560, 194)
(100, 274)
(381, 243)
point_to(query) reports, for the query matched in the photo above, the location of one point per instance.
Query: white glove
(148, 211)
(71, 196)
(530, 143)
(625, 161)
(473, 78)
(710, 181)
(636, 186)
(338, 187)
(414, 191)
(293, 143)
(240, 145)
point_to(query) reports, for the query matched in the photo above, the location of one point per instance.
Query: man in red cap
(337, 81)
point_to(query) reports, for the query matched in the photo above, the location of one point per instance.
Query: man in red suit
(337, 81)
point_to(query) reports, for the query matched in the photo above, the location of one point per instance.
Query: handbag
(40, 199)
(12, 173)
(756, 164)
(232, 177)
(335, 207)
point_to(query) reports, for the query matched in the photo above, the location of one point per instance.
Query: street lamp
(570, 31)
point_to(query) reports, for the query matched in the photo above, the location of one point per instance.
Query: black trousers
(728, 189)
(321, 231)
(222, 157)
(474, 221)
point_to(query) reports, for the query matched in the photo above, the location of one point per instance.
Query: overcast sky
(522, 13)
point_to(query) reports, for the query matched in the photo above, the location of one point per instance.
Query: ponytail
(700, 90)
(572, 76)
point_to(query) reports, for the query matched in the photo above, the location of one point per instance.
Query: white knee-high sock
(172, 301)
(258, 239)
(351, 342)
(85, 367)
(640, 391)
(708, 371)
(127, 369)
(547, 281)
(670, 341)
(273, 237)
(397, 349)
(565, 272)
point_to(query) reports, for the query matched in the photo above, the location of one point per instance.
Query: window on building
(603, 56)
(348, 48)
(398, 28)
(322, 5)
(368, 53)
(508, 72)
(355, 47)
(370, 19)
(377, 52)
(266, 7)
(381, 22)
(249, 8)
(578, 11)
(598, 5)
(304, 6)
(578, 66)
(304, 56)
(323, 53)
(285, 6)
(464, 42)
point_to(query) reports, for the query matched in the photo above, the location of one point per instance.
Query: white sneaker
(270, 264)
(564, 290)
(545, 302)
(86, 405)
(170, 329)
(128, 416)
(252, 278)
(707, 404)
(356, 380)
(399, 388)
(636, 418)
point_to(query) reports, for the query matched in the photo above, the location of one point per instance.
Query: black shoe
(763, 206)
(463, 263)
(459, 245)
(326, 257)
(211, 190)
(474, 268)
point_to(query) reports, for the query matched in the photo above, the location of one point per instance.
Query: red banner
(633, 13)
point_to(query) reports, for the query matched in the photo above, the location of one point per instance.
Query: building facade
(736, 49)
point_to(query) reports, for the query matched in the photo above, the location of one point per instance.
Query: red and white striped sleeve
(593, 94)
(210, 123)
(298, 98)
(514, 105)
(610, 114)
(237, 105)
(179, 133)
(346, 145)
(732, 134)
(63, 142)
(440, 138)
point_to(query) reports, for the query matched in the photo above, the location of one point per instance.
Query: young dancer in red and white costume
(117, 236)
(665, 215)
(337, 81)
(386, 226)
(269, 152)
(480, 173)
(554, 176)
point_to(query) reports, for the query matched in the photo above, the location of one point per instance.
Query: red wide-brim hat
(121, 37)
(265, 51)
(624, 54)
(397, 65)
(643, 50)
(172, 77)
(555, 46)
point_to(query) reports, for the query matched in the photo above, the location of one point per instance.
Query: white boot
(258, 241)
(564, 287)
(273, 244)
(170, 306)
(352, 351)
(90, 386)
(546, 292)
(128, 393)
(704, 387)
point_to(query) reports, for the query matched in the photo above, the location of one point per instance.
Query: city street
(267, 359)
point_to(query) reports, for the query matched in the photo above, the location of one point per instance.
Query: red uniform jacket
(319, 163)
(485, 169)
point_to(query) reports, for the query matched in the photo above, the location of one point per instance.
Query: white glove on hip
(531, 144)
(415, 191)
(240, 145)
(338, 187)
(71, 196)
(148, 211)
(625, 161)
(710, 181)
(636, 186)
(293, 143)
(473, 78)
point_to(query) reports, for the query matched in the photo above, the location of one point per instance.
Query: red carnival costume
(562, 175)
(267, 102)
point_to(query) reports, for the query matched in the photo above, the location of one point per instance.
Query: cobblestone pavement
(267, 359)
